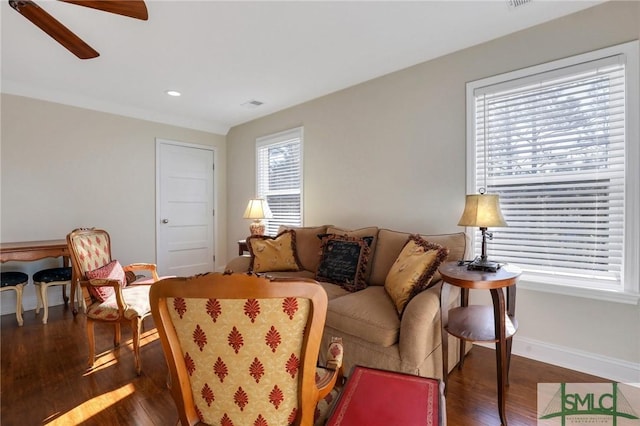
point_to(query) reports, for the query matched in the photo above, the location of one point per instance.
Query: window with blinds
(279, 177)
(553, 145)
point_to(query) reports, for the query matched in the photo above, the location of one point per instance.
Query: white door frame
(161, 141)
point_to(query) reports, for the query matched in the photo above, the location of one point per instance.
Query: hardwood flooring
(45, 381)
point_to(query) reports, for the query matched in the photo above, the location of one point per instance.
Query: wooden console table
(28, 251)
(481, 323)
(33, 250)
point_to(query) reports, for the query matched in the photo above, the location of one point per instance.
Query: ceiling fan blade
(132, 8)
(54, 28)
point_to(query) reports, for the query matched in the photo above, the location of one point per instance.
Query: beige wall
(391, 152)
(65, 167)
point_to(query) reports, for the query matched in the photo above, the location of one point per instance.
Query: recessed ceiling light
(173, 93)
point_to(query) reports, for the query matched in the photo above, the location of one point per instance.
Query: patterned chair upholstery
(242, 350)
(113, 295)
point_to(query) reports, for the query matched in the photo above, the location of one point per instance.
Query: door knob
(165, 220)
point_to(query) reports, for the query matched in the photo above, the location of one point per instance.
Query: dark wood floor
(44, 379)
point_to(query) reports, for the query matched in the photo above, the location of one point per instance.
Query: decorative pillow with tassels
(413, 270)
(273, 254)
(344, 261)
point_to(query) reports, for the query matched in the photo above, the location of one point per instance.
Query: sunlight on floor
(110, 357)
(90, 408)
(103, 360)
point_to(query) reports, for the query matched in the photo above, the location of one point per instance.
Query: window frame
(274, 139)
(630, 291)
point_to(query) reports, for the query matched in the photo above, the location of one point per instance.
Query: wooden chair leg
(91, 341)
(65, 298)
(116, 334)
(136, 326)
(19, 304)
(81, 302)
(45, 302)
(39, 302)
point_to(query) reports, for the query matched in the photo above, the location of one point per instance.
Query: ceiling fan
(50, 25)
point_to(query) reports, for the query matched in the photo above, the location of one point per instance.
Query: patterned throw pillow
(273, 254)
(344, 261)
(308, 246)
(112, 271)
(413, 270)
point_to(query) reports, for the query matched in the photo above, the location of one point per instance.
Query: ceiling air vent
(517, 3)
(252, 104)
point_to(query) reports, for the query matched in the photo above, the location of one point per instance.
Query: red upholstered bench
(378, 397)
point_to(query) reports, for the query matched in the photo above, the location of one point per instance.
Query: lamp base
(479, 264)
(256, 228)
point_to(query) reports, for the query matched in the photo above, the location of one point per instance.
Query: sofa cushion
(371, 231)
(368, 314)
(333, 290)
(308, 245)
(344, 261)
(273, 253)
(390, 244)
(136, 304)
(413, 270)
(291, 274)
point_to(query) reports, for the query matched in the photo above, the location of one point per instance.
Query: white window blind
(552, 145)
(279, 177)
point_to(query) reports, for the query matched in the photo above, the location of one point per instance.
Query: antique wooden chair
(13, 280)
(243, 350)
(50, 277)
(112, 293)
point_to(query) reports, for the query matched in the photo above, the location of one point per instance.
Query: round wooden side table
(480, 323)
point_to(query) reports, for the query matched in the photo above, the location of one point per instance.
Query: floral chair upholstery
(112, 293)
(242, 350)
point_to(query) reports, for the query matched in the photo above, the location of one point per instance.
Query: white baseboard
(586, 362)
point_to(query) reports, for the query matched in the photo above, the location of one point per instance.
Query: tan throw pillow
(308, 246)
(413, 270)
(273, 254)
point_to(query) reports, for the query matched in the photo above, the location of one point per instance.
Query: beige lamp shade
(257, 209)
(482, 211)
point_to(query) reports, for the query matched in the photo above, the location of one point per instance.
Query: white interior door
(185, 208)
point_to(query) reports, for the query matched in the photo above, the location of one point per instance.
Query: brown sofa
(373, 333)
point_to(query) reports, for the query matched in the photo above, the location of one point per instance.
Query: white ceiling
(222, 54)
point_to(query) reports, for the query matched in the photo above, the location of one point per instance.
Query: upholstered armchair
(112, 293)
(242, 349)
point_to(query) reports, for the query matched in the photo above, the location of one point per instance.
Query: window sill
(589, 293)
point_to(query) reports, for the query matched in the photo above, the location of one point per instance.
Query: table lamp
(483, 211)
(257, 209)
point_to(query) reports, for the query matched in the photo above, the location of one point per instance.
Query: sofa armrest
(420, 325)
(238, 264)
(417, 326)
